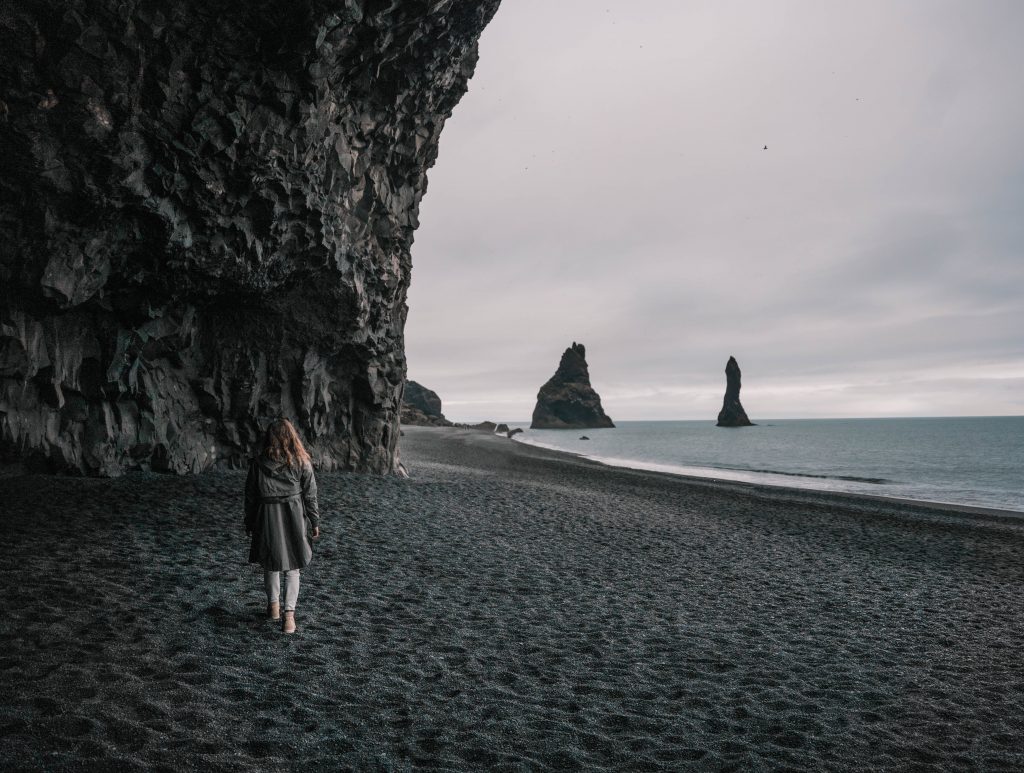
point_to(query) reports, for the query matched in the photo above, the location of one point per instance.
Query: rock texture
(567, 400)
(422, 406)
(732, 413)
(206, 211)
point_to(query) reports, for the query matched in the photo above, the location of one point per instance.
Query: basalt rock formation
(422, 406)
(206, 212)
(732, 413)
(483, 426)
(567, 400)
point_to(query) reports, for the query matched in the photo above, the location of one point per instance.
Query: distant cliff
(732, 413)
(206, 212)
(422, 406)
(567, 400)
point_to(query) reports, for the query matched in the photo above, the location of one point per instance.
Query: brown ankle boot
(274, 611)
(288, 623)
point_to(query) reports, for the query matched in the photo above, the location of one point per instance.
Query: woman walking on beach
(280, 496)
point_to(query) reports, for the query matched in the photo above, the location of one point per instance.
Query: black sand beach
(509, 608)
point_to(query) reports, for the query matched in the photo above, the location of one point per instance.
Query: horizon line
(776, 418)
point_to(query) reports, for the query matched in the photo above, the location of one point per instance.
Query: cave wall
(206, 212)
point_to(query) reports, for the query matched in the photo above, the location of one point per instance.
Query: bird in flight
(766, 147)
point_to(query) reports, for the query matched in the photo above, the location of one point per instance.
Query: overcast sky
(605, 181)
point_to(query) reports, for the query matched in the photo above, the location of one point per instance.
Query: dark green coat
(279, 501)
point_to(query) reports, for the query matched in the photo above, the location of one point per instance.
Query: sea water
(976, 461)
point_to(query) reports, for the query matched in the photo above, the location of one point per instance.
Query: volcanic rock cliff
(567, 400)
(206, 211)
(422, 406)
(732, 413)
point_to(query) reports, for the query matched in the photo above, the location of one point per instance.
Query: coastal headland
(509, 607)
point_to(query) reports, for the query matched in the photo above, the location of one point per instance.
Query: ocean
(976, 461)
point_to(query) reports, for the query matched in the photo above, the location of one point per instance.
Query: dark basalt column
(206, 211)
(732, 413)
(567, 400)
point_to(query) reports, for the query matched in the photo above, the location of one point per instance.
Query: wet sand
(509, 608)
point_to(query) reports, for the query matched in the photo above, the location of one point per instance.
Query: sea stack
(567, 400)
(422, 406)
(732, 413)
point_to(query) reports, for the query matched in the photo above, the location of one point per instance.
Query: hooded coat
(279, 499)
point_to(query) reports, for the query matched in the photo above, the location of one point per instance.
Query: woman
(280, 496)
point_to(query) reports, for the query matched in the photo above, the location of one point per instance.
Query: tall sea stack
(567, 400)
(732, 413)
(206, 211)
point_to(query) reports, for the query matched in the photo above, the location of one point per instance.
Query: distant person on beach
(280, 497)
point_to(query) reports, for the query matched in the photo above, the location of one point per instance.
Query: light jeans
(272, 580)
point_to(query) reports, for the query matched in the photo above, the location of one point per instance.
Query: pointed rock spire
(732, 413)
(567, 400)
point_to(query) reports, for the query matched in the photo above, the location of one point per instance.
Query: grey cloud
(604, 181)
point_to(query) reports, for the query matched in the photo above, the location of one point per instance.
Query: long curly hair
(281, 443)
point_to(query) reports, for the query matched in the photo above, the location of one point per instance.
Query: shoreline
(653, 468)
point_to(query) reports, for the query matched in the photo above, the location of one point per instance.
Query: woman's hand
(316, 532)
